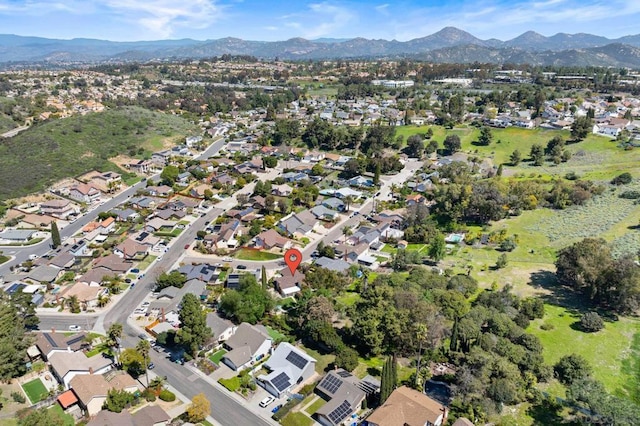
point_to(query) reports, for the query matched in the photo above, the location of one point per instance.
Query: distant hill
(54, 150)
(450, 43)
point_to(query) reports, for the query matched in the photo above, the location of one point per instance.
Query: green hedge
(167, 395)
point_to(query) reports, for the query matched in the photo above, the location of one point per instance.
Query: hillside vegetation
(69, 147)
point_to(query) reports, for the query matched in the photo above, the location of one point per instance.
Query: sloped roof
(407, 407)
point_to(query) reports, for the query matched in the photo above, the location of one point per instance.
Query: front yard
(216, 357)
(257, 255)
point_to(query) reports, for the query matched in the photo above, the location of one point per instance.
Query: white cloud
(271, 28)
(331, 18)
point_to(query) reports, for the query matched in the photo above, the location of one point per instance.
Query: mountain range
(447, 45)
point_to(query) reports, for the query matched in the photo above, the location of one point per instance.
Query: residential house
(224, 236)
(408, 407)
(58, 208)
(287, 284)
(248, 345)
(63, 260)
(17, 236)
(299, 224)
(170, 298)
(66, 365)
(223, 179)
(288, 367)
(44, 274)
(183, 178)
(323, 213)
(159, 191)
(463, 421)
(204, 272)
(193, 140)
(107, 226)
(221, 329)
(80, 249)
(270, 239)
(94, 277)
(130, 249)
(344, 394)
(50, 343)
(337, 265)
(149, 415)
(114, 263)
(348, 192)
(87, 295)
(125, 215)
(415, 199)
(147, 239)
(140, 166)
(361, 181)
(92, 389)
(158, 224)
(106, 181)
(283, 190)
(160, 159)
(84, 193)
(294, 176)
(334, 204)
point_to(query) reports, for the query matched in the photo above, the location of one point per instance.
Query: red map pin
(292, 258)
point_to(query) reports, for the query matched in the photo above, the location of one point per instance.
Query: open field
(54, 150)
(614, 352)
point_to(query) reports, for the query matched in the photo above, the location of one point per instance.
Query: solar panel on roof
(50, 340)
(281, 382)
(344, 373)
(297, 360)
(341, 412)
(75, 340)
(331, 383)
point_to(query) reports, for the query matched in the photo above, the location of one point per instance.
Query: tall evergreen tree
(55, 235)
(14, 340)
(264, 277)
(388, 379)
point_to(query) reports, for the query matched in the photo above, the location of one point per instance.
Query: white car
(75, 328)
(265, 402)
(33, 256)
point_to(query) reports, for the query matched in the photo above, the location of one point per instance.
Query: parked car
(266, 401)
(241, 267)
(276, 408)
(135, 270)
(151, 366)
(75, 328)
(142, 336)
(33, 256)
(186, 246)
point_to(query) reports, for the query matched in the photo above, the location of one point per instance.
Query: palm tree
(348, 200)
(143, 347)
(347, 232)
(114, 334)
(156, 383)
(74, 304)
(102, 301)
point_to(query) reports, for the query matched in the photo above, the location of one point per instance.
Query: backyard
(35, 390)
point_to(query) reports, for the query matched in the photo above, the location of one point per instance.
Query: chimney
(90, 370)
(53, 330)
(162, 315)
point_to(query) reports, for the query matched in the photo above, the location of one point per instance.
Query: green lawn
(614, 353)
(245, 254)
(217, 356)
(311, 409)
(35, 390)
(144, 264)
(322, 360)
(275, 334)
(296, 419)
(102, 347)
(68, 418)
(348, 298)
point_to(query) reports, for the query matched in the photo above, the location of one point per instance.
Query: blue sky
(127, 20)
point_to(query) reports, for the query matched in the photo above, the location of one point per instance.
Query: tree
(132, 362)
(515, 158)
(249, 303)
(437, 248)
(263, 277)
(55, 235)
(114, 334)
(502, 261)
(199, 409)
(485, 137)
(571, 368)
(537, 154)
(415, 146)
(580, 265)
(389, 378)
(74, 304)
(346, 358)
(269, 162)
(41, 417)
(591, 322)
(14, 340)
(118, 400)
(143, 347)
(452, 143)
(348, 200)
(432, 146)
(347, 232)
(171, 279)
(169, 175)
(581, 127)
(193, 331)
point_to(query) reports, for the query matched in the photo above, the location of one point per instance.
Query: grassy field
(613, 352)
(35, 390)
(296, 419)
(68, 418)
(69, 147)
(256, 255)
(322, 360)
(275, 334)
(216, 357)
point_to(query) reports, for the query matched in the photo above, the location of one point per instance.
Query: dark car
(276, 408)
(241, 266)
(186, 246)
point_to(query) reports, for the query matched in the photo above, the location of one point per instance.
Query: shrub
(167, 395)
(18, 397)
(630, 195)
(622, 179)
(546, 326)
(508, 245)
(591, 322)
(149, 395)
